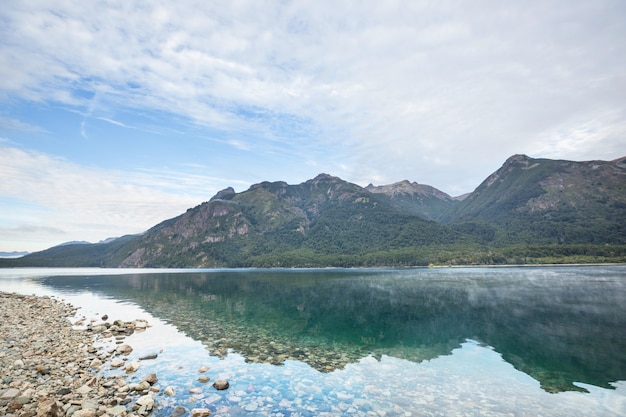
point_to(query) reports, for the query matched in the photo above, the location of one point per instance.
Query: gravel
(50, 367)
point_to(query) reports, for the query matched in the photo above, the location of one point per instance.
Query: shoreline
(51, 368)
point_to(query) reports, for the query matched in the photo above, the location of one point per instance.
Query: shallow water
(470, 341)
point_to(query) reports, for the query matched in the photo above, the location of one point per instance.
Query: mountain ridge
(574, 209)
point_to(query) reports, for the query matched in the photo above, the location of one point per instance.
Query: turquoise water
(470, 341)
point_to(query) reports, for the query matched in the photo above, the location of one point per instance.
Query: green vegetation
(531, 211)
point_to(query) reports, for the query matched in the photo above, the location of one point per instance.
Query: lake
(522, 341)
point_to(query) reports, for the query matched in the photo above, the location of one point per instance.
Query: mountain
(276, 224)
(13, 254)
(528, 211)
(422, 200)
(547, 201)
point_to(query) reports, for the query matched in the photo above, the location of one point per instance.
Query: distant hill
(528, 211)
(13, 254)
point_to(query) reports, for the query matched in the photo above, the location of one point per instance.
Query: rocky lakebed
(54, 364)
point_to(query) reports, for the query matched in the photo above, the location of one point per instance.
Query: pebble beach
(50, 367)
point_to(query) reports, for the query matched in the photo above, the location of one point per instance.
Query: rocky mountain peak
(408, 188)
(224, 194)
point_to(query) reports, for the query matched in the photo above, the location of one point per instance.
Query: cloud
(12, 124)
(399, 89)
(44, 198)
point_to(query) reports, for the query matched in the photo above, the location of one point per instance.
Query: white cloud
(437, 92)
(46, 198)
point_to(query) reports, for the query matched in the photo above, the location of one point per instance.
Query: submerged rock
(151, 379)
(179, 411)
(221, 384)
(200, 412)
(149, 357)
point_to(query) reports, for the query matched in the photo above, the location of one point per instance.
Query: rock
(84, 389)
(132, 367)
(179, 411)
(117, 362)
(49, 408)
(42, 370)
(84, 413)
(140, 324)
(10, 393)
(117, 410)
(89, 404)
(105, 317)
(151, 379)
(203, 369)
(124, 349)
(196, 390)
(148, 357)
(96, 363)
(204, 379)
(142, 386)
(146, 400)
(169, 391)
(221, 384)
(200, 412)
(14, 405)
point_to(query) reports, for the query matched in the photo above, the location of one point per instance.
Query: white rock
(96, 363)
(140, 324)
(169, 391)
(200, 412)
(146, 400)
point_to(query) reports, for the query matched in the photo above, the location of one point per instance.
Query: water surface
(492, 341)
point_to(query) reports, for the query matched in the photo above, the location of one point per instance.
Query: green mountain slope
(547, 201)
(276, 224)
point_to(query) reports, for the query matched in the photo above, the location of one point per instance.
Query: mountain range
(528, 211)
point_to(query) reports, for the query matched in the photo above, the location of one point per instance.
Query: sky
(117, 115)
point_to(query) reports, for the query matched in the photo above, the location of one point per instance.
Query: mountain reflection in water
(558, 325)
